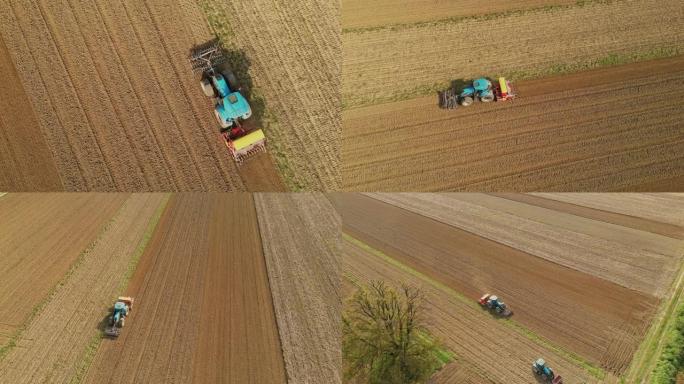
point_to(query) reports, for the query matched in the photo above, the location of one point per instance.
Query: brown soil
(52, 347)
(26, 160)
(364, 13)
(259, 174)
(634, 259)
(294, 48)
(598, 130)
(41, 236)
(557, 303)
(203, 308)
(493, 351)
(112, 90)
(300, 234)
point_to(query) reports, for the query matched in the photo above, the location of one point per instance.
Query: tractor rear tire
(232, 81)
(207, 88)
(466, 101)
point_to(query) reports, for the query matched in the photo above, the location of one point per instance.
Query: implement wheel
(207, 88)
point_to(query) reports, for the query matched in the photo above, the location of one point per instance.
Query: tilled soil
(54, 344)
(113, 92)
(26, 160)
(558, 303)
(203, 310)
(41, 236)
(387, 64)
(300, 234)
(475, 336)
(603, 130)
(293, 49)
(633, 258)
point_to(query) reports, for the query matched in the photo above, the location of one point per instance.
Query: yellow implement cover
(248, 140)
(502, 84)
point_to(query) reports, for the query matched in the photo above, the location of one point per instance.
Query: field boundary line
(571, 357)
(480, 17)
(220, 25)
(38, 308)
(557, 69)
(646, 356)
(91, 349)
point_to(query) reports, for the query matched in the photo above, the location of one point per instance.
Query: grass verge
(646, 357)
(671, 359)
(592, 369)
(239, 63)
(90, 351)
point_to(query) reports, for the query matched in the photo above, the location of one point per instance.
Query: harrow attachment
(205, 57)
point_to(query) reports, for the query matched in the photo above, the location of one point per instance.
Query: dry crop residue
(598, 327)
(113, 92)
(294, 50)
(41, 236)
(26, 160)
(203, 309)
(300, 233)
(371, 14)
(54, 343)
(391, 64)
(609, 129)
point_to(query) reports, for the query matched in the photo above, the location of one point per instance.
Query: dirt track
(399, 63)
(472, 334)
(114, 95)
(300, 234)
(294, 50)
(53, 345)
(26, 160)
(598, 130)
(41, 236)
(598, 327)
(203, 308)
(369, 14)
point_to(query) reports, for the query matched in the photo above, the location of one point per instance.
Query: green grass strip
(90, 350)
(12, 342)
(482, 17)
(576, 359)
(671, 359)
(219, 23)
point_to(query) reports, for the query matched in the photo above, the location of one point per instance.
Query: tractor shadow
(104, 322)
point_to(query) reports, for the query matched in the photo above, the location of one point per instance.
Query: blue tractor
(230, 105)
(122, 308)
(480, 89)
(545, 372)
(495, 304)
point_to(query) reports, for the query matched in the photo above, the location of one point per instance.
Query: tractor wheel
(220, 121)
(487, 98)
(232, 81)
(466, 100)
(207, 88)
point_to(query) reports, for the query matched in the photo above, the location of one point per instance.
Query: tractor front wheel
(207, 88)
(487, 98)
(466, 100)
(232, 81)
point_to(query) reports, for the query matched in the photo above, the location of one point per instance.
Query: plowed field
(300, 234)
(25, 157)
(114, 96)
(293, 49)
(434, 240)
(609, 129)
(41, 236)
(203, 310)
(53, 345)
